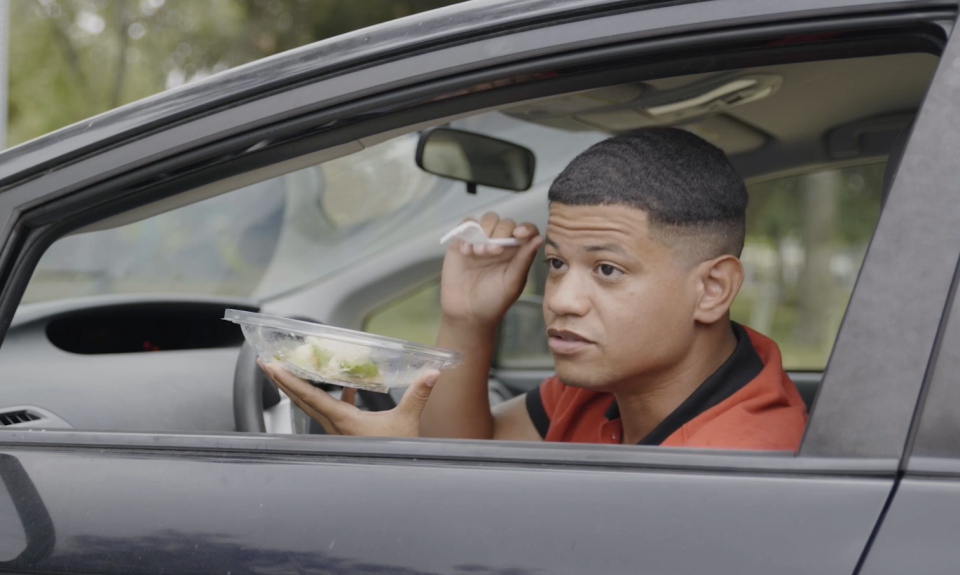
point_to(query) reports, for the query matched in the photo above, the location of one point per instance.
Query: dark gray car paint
(274, 514)
(919, 533)
(939, 424)
(141, 508)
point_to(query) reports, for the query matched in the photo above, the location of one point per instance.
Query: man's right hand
(480, 282)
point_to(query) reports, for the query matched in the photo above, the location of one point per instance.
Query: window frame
(932, 448)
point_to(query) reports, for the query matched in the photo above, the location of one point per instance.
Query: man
(642, 243)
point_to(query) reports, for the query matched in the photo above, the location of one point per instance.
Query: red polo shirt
(748, 403)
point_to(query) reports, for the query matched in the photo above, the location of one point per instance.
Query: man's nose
(566, 296)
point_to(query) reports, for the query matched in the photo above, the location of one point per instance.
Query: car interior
(120, 328)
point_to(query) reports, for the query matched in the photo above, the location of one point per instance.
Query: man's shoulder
(766, 413)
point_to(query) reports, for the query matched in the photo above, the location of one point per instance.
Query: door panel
(919, 533)
(142, 512)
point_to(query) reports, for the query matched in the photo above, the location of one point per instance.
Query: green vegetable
(365, 370)
(320, 357)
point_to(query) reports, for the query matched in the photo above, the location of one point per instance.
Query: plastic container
(324, 354)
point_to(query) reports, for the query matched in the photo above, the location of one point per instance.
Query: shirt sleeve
(541, 403)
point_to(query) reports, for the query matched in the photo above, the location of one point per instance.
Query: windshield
(282, 234)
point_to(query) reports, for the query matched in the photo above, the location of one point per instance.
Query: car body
(871, 489)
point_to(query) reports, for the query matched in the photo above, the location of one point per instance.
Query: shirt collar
(738, 370)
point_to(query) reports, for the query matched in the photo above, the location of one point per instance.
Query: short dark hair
(690, 191)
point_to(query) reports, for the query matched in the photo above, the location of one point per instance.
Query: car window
(258, 241)
(806, 239)
(414, 317)
(270, 238)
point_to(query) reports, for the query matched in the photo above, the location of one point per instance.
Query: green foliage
(776, 209)
(72, 59)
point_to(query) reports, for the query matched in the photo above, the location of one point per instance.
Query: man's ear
(719, 281)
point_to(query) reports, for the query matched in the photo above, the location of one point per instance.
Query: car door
(247, 503)
(919, 526)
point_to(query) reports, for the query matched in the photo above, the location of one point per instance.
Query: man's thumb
(416, 396)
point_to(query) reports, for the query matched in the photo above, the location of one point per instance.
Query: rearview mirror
(476, 160)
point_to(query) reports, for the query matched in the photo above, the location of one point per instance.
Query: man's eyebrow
(610, 247)
(615, 248)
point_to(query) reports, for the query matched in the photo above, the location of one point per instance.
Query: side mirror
(476, 160)
(522, 337)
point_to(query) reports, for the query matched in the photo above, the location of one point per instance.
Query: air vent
(15, 417)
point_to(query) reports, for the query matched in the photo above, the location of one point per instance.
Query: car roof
(417, 32)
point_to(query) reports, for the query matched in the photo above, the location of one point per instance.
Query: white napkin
(472, 233)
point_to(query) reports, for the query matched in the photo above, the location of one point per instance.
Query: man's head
(643, 238)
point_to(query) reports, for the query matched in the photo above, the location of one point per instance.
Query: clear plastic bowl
(324, 354)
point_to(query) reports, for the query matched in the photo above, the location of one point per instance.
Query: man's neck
(644, 404)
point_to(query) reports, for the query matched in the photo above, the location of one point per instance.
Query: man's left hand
(342, 417)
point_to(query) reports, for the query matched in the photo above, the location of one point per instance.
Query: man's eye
(554, 263)
(607, 270)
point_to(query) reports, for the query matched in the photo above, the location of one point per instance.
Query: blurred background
(72, 59)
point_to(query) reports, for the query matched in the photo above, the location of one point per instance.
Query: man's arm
(511, 421)
(459, 405)
(477, 286)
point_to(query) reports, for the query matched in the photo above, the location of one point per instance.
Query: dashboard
(121, 363)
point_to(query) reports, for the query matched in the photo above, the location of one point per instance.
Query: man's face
(618, 304)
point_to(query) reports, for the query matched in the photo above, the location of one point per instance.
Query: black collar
(737, 371)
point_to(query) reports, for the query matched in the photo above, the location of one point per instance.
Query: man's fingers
(334, 410)
(520, 264)
(488, 222)
(416, 396)
(325, 423)
(525, 230)
(503, 229)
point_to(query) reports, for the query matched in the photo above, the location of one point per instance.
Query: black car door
(95, 502)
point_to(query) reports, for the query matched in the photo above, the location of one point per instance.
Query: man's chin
(573, 378)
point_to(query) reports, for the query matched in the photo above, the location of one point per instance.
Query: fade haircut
(695, 200)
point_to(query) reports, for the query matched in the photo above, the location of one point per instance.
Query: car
(138, 435)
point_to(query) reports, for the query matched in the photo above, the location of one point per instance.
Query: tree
(71, 59)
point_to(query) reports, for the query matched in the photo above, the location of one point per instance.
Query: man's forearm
(459, 406)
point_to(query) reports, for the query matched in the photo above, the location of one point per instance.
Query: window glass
(415, 317)
(278, 235)
(806, 238)
(260, 240)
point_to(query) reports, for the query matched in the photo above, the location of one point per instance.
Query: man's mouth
(566, 342)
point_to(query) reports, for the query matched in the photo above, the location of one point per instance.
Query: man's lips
(566, 342)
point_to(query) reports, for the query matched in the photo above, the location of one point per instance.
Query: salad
(326, 354)
(335, 360)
